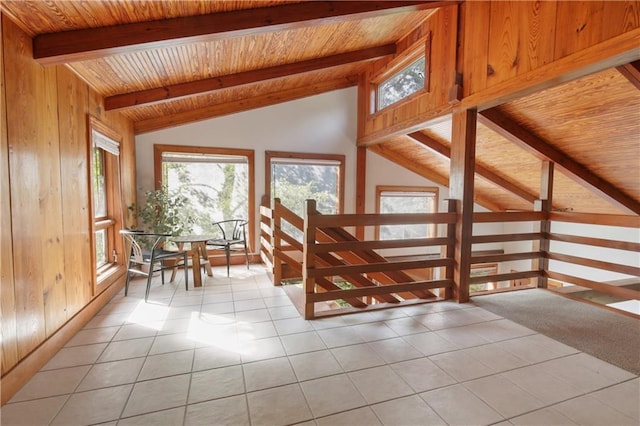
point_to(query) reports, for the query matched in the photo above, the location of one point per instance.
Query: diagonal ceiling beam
(426, 173)
(239, 105)
(632, 72)
(480, 170)
(175, 91)
(505, 126)
(92, 43)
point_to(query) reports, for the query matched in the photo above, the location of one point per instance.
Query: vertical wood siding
(521, 36)
(47, 272)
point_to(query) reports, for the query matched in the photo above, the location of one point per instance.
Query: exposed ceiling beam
(92, 43)
(191, 88)
(426, 173)
(240, 105)
(480, 170)
(632, 72)
(505, 126)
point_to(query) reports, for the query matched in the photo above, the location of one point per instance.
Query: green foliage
(165, 212)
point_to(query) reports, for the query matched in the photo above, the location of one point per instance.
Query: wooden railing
(507, 217)
(333, 265)
(595, 219)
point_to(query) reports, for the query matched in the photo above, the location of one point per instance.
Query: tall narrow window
(391, 199)
(106, 195)
(217, 182)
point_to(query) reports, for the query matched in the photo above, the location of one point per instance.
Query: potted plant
(164, 212)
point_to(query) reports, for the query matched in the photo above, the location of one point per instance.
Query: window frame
(159, 149)
(270, 155)
(432, 230)
(112, 222)
(403, 60)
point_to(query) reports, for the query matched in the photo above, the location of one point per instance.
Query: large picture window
(217, 182)
(297, 177)
(402, 199)
(105, 194)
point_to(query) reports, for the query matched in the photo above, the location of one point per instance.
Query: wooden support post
(308, 258)
(276, 241)
(463, 147)
(452, 207)
(544, 205)
(361, 181)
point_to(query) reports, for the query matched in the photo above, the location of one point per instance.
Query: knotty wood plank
(609, 53)
(176, 91)
(503, 55)
(92, 43)
(505, 126)
(8, 311)
(74, 173)
(22, 125)
(476, 39)
(537, 29)
(50, 222)
(579, 26)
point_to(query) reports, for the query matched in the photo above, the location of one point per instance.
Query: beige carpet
(611, 337)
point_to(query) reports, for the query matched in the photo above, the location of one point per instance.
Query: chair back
(140, 242)
(232, 229)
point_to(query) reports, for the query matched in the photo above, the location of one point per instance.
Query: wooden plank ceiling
(283, 50)
(590, 126)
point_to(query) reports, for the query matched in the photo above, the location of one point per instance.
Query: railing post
(308, 258)
(452, 207)
(461, 183)
(544, 205)
(276, 228)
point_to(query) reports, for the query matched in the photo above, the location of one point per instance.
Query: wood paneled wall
(506, 49)
(505, 39)
(47, 272)
(440, 28)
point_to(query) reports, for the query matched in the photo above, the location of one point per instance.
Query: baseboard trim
(22, 372)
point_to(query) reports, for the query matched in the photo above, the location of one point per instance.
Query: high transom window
(402, 84)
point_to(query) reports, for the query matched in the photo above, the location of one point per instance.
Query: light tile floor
(236, 352)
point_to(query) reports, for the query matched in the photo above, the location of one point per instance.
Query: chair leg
(246, 254)
(146, 294)
(227, 251)
(126, 283)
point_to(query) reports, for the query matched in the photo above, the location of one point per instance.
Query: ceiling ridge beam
(480, 170)
(197, 87)
(93, 43)
(505, 126)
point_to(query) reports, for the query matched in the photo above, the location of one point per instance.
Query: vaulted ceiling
(164, 63)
